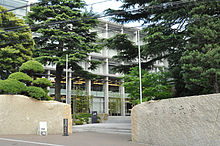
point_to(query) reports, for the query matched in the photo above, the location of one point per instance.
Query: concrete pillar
(105, 50)
(122, 96)
(105, 71)
(88, 92)
(88, 82)
(122, 30)
(48, 77)
(122, 89)
(88, 87)
(69, 86)
(106, 97)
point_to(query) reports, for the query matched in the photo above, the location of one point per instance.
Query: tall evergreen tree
(64, 29)
(201, 61)
(16, 45)
(167, 30)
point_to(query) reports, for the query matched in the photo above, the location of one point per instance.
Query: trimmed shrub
(12, 86)
(31, 67)
(78, 122)
(36, 92)
(20, 76)
(47, 98)
(42, 82)
(83, 117)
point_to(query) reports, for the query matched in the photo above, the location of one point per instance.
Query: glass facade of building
(12, 4)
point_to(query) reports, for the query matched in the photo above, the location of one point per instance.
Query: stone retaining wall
(186, 121)
(21, 115)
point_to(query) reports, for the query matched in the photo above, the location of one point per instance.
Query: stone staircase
(114, 125)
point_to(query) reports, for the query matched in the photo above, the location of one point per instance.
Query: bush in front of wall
(36, 92)
(12, 86)
(20, 76)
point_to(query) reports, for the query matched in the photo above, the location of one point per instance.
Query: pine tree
(16, 45)
(201, 61)
(169, 26)
(64, 29)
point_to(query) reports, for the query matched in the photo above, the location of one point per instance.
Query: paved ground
(111, 128)
(74, 139)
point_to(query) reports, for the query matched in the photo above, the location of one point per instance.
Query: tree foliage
(154, 85)
(201, 60)
(36, 92)
(31, 67)
(71, 36)
(20, 76)
(42, 82)
(16, 46)
(21, 83)
(176, 29)
(12, 86)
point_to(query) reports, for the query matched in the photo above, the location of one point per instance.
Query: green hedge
(12, 86)
(42, 82)
(83, 117)
(36, 92)
(20, 76)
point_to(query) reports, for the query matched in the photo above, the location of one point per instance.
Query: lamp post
(139, 62)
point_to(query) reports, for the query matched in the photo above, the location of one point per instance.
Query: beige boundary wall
(186, 121)
(21, 115)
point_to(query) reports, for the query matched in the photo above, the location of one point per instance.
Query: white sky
(100, 5)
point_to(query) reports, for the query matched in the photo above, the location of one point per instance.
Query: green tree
(201, 61)
(32, 68)
(36, 92)
(154, 85)
(82, 102)
(16, 46)
(20, 76)
(65, 30)
(168, 30)
(42, 82)
(12, 86)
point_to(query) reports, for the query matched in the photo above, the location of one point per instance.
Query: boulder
(186, 121)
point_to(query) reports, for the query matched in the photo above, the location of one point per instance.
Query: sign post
(65, 127)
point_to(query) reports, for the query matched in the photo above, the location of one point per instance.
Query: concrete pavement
(75, 139)
(113, 128)
(114, 125)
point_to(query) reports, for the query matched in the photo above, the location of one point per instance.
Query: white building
(12, 4)
(107, 89)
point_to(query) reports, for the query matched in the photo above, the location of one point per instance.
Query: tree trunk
(59, 71)
(216, 86)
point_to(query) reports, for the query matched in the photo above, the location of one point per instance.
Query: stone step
(118, 119)
(112, 131)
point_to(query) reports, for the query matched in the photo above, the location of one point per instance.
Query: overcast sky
(100, 5)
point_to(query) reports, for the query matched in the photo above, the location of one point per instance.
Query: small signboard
(65, 127)
(42, 129)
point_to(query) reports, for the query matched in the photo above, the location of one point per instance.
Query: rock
(21, 115)
(186, 121)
